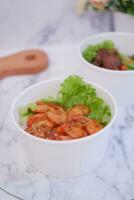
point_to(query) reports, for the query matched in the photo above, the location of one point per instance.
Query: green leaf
(32, 106)
(130, 66)
(23, 119)
(23, 111)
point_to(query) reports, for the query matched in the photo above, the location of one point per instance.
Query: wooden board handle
(25, 62)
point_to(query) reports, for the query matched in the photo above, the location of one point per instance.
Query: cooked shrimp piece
(70, 130)
(39, 125)
(39, 132)
(54, 113)
(65, 137)
(51, 121)
(79, 110)
(61, 129)
(73, 130)
(52, 135)
(40, 102)
(57, 115)
(39, 118)
(43, 123)
(41, 107)
(92, 126)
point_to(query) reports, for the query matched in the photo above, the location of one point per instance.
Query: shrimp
(41, 107)
(52, 135)
(39, 125)
(55, 113)
(70, 130)
(78, 110)
(39, 119)
(39, 132)
(92, 126)
(65, 137)
(75, 131)
(83, 126)
(51, 121)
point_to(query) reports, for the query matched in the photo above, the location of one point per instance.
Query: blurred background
(43, 22)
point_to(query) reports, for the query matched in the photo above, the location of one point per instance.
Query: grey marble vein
(65, 28)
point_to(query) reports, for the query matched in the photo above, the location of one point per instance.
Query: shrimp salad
(76, 112)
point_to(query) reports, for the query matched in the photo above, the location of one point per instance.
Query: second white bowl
(118, 83)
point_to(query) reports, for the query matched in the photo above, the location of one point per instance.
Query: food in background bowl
(117, 82)
(106, 55)
(76, 112)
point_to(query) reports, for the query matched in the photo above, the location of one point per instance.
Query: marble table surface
(56, 25)
(114, 177)
(48, 22)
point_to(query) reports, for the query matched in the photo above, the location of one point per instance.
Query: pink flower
(98, 4)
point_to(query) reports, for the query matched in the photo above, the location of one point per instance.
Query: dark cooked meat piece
(112, 61)
(107, 59)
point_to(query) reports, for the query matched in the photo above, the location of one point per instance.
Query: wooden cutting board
(24, 62)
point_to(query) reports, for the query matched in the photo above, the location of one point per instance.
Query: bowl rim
(59, 142)
(99, 69)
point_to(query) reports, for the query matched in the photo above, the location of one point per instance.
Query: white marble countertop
(113, 179)
(59, 29)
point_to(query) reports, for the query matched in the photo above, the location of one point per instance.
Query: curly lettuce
(74, 90)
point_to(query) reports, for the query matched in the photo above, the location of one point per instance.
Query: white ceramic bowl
(62, 158)
(118, 83)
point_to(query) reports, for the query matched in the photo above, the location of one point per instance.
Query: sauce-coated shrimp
(92, 126)
(78, 110)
